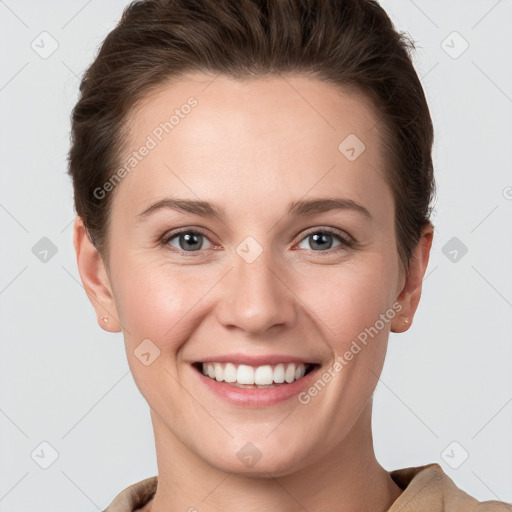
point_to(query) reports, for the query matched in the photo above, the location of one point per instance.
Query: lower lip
(254, 397)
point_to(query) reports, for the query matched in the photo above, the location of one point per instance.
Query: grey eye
(321, 240)
(189, 241)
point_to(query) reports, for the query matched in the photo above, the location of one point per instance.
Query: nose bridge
(257, 298)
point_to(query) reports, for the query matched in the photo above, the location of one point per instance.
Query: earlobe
(94, 278)
(410, 295)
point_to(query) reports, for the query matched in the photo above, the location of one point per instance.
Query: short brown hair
(351, 43)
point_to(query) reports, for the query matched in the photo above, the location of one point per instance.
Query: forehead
(316, 106)
(212, 135)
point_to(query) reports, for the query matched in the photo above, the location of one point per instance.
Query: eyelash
(345, 242)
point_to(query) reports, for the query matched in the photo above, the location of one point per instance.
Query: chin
(259, 459)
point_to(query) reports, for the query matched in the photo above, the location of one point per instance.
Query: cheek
(159, 302)
(349, 299)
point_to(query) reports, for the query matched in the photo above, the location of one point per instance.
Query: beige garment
(426, 489)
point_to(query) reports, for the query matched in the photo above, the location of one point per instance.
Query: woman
(253, 184)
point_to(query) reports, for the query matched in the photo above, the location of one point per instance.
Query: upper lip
(248, 360)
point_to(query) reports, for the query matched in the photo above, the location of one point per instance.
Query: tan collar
(426, 489)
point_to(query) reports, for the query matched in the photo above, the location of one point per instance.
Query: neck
(349, 478)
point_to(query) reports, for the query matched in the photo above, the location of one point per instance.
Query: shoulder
(429, 488)
(135, 496)
(493, 506)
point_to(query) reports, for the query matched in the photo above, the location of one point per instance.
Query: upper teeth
(259, 375)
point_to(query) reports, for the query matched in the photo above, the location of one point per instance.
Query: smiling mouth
(256, 377)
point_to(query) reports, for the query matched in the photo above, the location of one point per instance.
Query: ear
(410, 295)
(94, 278)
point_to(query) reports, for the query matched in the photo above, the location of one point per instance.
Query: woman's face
(269, 281)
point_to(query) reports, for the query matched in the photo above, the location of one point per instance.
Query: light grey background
(66, 382)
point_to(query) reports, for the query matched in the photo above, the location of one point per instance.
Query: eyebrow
(299, 208)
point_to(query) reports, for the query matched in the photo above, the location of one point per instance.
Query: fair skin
(252, 148)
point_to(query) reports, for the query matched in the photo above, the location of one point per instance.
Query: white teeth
(279, 374)
(219, 372)
(289, 374)
(244, 374)
(265, 375)
(229, 372)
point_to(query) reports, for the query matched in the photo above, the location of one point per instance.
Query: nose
(257, 297)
